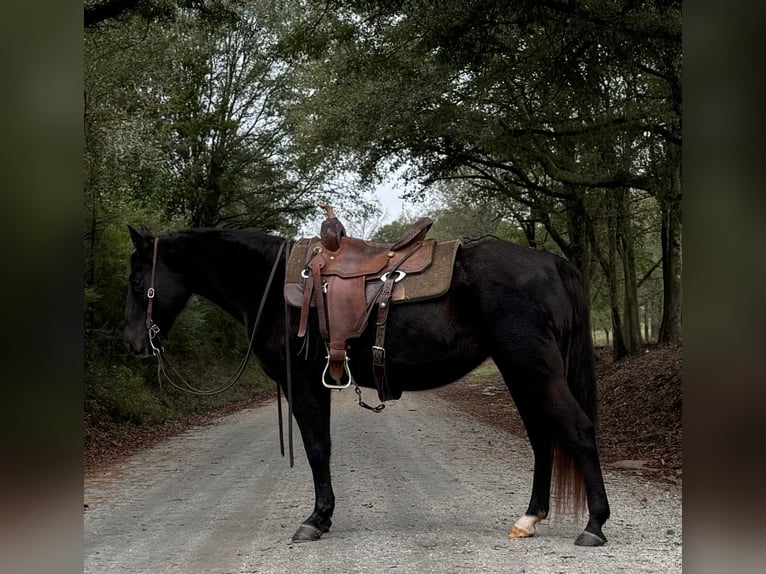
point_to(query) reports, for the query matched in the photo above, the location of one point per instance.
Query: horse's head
(170, 293)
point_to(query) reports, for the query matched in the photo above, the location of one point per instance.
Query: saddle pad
(428, 284)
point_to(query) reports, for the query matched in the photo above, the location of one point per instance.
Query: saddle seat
(356, 257)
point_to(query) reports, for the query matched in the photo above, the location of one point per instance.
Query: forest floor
(640, 422)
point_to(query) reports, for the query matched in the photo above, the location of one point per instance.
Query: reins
(165, 368)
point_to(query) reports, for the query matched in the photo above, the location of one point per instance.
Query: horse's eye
(135, 283)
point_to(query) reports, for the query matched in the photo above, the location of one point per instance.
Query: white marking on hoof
(524, 527)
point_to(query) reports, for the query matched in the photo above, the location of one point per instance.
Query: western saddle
(347, 283)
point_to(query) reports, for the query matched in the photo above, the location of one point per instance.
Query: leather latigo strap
(378, 350)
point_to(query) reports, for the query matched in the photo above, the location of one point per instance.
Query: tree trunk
(608, 264)
(627, 253)
(207, 208)
(577, 223)
(670, 210)
(529, 227)
(647, 322)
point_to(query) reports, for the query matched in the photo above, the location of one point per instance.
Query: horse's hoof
(307, 533)
(525, 527)
(589, 539)
(516, 532)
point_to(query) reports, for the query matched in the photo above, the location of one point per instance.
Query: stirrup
(338, 386)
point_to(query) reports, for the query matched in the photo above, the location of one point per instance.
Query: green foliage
(118, 394)
(207, 345)
(184, 126)
(484, 371)
(502, 92)
(189, 119)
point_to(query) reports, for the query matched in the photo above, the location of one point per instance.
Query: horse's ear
(141, 239)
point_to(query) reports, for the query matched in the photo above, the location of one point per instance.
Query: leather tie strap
(308, 289)
(316, 277)
(289, 375)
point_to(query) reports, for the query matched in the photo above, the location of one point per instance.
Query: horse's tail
(577, 350)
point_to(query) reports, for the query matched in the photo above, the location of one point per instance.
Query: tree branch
(649, 273)
(108, 9)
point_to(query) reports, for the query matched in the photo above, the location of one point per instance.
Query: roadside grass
(485, 369)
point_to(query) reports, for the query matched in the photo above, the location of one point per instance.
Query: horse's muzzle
(137, 341)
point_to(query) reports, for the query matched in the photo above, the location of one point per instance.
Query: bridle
(164, 368)
(151, 327)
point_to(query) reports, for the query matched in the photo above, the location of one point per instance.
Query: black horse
(526, 309)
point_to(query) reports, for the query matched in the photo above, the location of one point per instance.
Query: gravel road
(420, 488)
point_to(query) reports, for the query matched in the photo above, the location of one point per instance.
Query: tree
(203, 100)
(544, 105)
(225, 140)
(97, 12)
(184, 126)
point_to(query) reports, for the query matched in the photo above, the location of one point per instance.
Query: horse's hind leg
(578, 436)
(547, 406)
(540, 439)
(539, 502)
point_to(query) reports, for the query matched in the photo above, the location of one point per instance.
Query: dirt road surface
(420, 488)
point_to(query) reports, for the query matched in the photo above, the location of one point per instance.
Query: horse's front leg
(311, 408)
